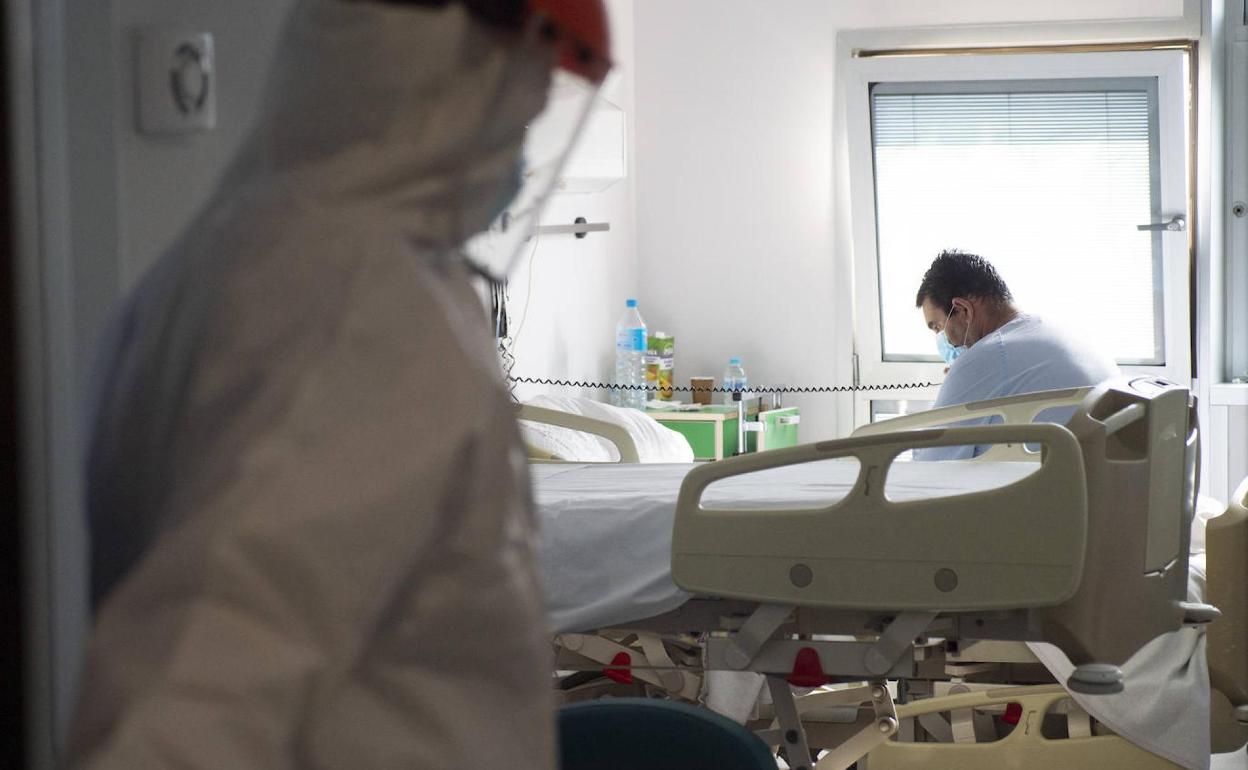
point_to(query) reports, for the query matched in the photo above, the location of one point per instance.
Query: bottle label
(631, 339)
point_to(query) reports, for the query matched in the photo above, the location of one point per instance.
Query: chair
(647, 734)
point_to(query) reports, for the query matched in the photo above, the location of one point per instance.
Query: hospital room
(637, 384)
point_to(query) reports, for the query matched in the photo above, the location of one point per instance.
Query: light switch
(177, 82)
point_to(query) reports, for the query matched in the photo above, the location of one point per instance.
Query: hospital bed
(1013, 563)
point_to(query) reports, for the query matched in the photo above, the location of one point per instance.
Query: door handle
(1177, 224)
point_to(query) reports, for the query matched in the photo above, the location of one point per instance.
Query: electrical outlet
(177, 83)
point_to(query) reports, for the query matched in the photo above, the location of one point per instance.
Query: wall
(570, 292)
(742, 241)
(734, 190)
(161, 183)
(1226, 432)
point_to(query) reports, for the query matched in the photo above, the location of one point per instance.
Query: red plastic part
(584, 39)
(1013, 713)
(807, 669)
(620, 673)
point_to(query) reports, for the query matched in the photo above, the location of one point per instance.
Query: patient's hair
(957, 274)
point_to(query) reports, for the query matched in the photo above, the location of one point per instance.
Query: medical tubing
(752, 389)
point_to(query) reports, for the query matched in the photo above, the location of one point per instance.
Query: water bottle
(630, 358)
(734, 379)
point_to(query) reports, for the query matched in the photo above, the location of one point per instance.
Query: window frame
(1236, 256)
(1168, 67)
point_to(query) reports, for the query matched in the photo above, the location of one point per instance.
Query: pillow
(655, 443)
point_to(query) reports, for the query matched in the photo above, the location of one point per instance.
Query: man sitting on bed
(992, 348)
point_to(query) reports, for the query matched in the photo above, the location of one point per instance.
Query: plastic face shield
(548, 142)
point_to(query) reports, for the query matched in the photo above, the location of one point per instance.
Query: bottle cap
(630, 303)
(735, 361)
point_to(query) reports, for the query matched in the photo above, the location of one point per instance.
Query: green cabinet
(779, 430)
(712, 430)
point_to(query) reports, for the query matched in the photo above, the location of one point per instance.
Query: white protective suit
(311, 523)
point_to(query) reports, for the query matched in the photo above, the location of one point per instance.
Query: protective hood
(287, 571)
(412, 113)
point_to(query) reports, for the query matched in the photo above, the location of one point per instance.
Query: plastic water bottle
(630, 358)
(734, 379)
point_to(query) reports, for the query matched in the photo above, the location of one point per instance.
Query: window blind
(1047, 181)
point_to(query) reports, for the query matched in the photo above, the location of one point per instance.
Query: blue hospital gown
(1023, 356)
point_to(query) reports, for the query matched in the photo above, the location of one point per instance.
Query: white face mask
(948, 351)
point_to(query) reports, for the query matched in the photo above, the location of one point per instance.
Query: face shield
(573, 33)
(548, 142)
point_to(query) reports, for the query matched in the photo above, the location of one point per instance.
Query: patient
(992, 348)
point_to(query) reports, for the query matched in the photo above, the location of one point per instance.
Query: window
(1046, 179)
(1045, 164)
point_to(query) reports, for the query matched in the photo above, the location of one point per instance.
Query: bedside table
(712, 430)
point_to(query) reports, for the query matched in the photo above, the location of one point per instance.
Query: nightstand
(712, 430)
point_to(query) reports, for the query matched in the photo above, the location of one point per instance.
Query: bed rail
(1140, 443)
(1013, 410)
(1091, 548)
(617, 435)
(1021, 545)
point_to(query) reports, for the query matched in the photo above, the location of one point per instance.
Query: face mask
(948, 351)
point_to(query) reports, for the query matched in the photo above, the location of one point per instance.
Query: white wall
(1226, 432)
(742, 236)
(575, 288)
(734, 190)
(162, 182)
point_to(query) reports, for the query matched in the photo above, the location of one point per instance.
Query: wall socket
(177, 82)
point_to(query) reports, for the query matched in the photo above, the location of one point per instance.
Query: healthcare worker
(311, 526)
(993, 349)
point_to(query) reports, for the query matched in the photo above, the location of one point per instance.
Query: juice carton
(659, 362)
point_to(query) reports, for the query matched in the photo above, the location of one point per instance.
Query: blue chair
(646, 734)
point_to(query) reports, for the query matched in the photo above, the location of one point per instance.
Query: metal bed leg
(792, 734)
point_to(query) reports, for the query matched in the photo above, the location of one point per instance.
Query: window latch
(1176, 225)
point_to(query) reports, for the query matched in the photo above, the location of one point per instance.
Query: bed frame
(1119, 480)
